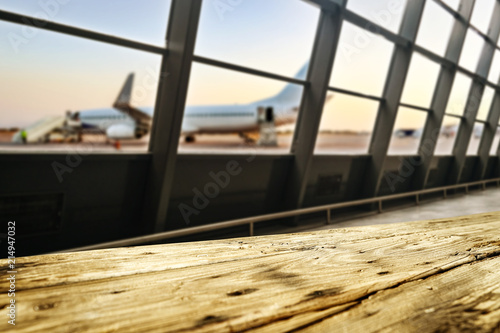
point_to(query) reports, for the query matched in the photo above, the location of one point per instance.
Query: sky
(45, 73)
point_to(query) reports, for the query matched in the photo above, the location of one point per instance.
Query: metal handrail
(261, 218)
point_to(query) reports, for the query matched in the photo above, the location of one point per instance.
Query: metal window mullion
(441, 96)
(474, 100)
(312, 104)
(387, 112)
(37, 23)
(169, 111)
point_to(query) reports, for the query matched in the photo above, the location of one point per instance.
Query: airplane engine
(121, 132)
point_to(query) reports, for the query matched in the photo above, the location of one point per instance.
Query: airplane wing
(122, 102)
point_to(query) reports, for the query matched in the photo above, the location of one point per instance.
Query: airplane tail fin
(292, 93)
(126, 92)
(123, 102)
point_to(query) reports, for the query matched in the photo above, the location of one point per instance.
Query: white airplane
(125, 121)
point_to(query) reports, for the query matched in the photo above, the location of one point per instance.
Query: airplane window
(435, 28)
(71, 74)
(481, 15)
(274, 36)
(357, 53)
(459, 94)
(494, 76)
(420, 82)
(447, 135)
(407, 132)
(475, 139)
(386, 13)
(471, 51)
(149, 18)
(232, 100)
(486, 101)
(346, 125)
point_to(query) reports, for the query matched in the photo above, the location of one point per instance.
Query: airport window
(486, 100)
(55, 73)
(346, 125)
(225, 96)
(494, 76)
(459, 94)
(386, 13)
(475, 139)
(447, 135)
(496, 142)
(481, 15)
(354, 67)
(420, 82)
(471, 51)
(144, 21)
(407, 132)
(435, 28)
(273, 36)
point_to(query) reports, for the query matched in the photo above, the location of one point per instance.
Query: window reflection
(475, 139)
(459, 94)
(407, 132)
(274, 36)
(346, 125)
(447, 136)
(362, 61)
(435, 28)
(386, 13)
(144, 21)
(420, 82)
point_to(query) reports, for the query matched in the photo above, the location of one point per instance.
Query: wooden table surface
(427, 276)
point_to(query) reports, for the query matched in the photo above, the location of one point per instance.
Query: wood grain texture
(427, 276)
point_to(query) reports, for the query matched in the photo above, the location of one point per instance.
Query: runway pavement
(327, 144)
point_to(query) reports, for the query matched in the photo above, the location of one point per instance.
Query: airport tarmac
(327, 144)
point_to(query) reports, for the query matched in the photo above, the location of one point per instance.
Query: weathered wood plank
(273, 283)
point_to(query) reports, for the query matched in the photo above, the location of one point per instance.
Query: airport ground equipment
(267, 128)
(52, 128)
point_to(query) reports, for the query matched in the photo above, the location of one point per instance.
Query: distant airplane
(125, 121)
(448, 131)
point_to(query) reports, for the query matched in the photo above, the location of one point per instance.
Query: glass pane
(275, 36)
(484, 107)
(145, 21)
(447, 136)
(435, 28)
(459, 93)
(481, 16)
(346, 125)
(222, 113)
(471, 51)
(361, 55)
(407, 132)
(56, 73)
(475, 140)
(420, 82)
(496, 141)
(452, 3)
(386, 13)
(495, 68)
